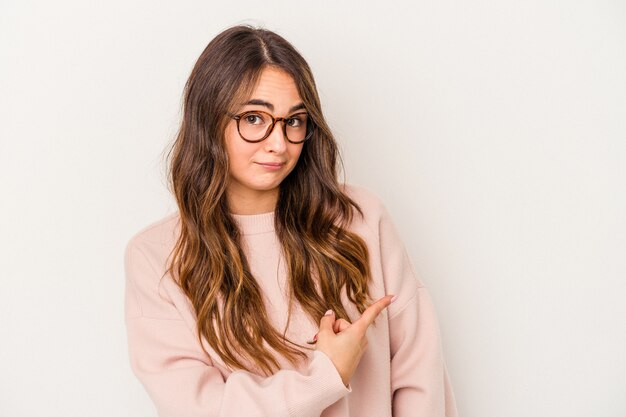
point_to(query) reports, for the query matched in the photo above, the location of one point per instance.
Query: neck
(257, 202)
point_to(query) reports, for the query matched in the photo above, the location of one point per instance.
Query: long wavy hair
(311, 216)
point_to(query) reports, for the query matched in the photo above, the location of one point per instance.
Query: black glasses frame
(270, 128)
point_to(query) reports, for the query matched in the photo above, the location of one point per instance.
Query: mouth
(271, 164)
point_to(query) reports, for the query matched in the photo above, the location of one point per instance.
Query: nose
(276, 141)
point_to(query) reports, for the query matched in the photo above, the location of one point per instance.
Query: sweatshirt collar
(251, 224)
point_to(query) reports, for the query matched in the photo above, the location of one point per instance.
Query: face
(253, 187)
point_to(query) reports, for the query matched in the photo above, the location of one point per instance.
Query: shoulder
(155, 240)
(369, 201)
(159, 231)
(375, 218)
(151, 290)
(391, 266)
(371, 204)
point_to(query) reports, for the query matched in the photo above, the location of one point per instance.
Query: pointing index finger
(370, 314)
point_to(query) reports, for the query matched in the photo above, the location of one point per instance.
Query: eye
(297, 121)
(253, 119)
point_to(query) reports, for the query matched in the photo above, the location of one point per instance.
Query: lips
(272, 164)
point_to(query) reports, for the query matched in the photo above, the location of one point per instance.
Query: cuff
(324, 386)
(327, 366)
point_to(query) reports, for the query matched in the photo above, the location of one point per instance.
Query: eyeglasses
(255, 126)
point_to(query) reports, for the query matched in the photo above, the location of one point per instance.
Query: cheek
(235, 148)
(296, 153)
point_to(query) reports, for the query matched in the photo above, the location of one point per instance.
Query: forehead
(276, 86)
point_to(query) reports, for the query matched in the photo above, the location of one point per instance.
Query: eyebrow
(258, 102)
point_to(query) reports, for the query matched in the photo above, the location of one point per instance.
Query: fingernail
(394, 298)
(328, 313)
(310, 342)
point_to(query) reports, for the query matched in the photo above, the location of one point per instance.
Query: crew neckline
(251, 224)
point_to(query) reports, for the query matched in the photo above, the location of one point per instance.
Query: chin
(264, 187)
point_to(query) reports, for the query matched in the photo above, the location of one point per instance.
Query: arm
(182, 381)
(419, 379)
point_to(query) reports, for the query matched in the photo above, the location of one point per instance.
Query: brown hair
(311, 215)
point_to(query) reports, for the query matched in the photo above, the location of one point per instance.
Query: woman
(256, 297)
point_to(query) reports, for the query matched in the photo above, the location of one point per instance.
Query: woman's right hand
(346, 347)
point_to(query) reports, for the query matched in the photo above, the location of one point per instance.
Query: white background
(493, 130)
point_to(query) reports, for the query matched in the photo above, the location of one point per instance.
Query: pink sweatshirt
(402, 372)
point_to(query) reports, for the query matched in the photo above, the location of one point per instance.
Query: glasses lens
(253, 125)
(296, 127)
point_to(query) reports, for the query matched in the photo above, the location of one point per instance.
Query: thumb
(327, 321)
(340, 325)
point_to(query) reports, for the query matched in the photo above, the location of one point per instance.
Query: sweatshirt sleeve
(166, 356)
(419, 380)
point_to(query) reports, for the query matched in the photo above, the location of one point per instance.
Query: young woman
(256, 298)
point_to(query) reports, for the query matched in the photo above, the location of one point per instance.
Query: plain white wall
(493, 130)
